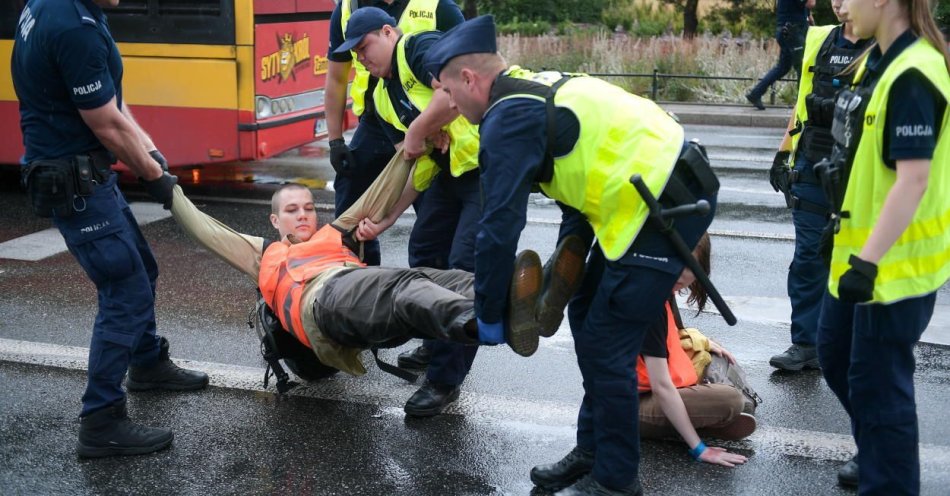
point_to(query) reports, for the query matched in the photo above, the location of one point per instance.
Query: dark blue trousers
(808, 274)
(106, 241)
(443, 237)
(372, 150)
(791, 44)
(867, 358)
(609, 317)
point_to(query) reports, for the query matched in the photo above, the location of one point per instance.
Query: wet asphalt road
(348, 435)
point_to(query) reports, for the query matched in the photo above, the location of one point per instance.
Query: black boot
(589, 487)
(416, 359)
(431, 399)
(164, 374)
(563, 473)
(848, 473)
(109, 432)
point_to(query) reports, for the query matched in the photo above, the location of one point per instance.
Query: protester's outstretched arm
(241, 251)
(381, 196)
(672, 405)
(369, 230)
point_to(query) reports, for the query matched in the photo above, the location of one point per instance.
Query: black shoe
(521, 334)
(796, 357)
(563, 473)
(431, 399)
(109, 432)
(848, 473)
(588, 486)
(164, 374)
(416, 359)
(563, 275)
(756, 101)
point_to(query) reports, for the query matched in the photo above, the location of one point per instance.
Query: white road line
(556, 418)
(48, 242)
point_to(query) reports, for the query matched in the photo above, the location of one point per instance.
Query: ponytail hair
(922, 23)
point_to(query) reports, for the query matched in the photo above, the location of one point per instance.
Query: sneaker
(430, 399)
(564, 472)
(796, 357)
(521, 334)
(109, 432)
(164, 374)
(848, 473)
(563, 275)
(590, 487)
(756, 101)
(416, 359)
(741, 427)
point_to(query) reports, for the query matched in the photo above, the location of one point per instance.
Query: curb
(729, 115)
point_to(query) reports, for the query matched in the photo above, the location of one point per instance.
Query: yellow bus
(210, 80)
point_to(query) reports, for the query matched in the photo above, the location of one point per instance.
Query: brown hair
(922, 23)
(697, 292)
(275, 199)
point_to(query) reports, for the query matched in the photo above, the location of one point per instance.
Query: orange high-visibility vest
(681, 367)
(287, 268)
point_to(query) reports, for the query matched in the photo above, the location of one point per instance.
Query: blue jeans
(867, 358)
(791, 44)
(443, 237)
(371, 150)
(105, 239)
(807, 274)
(609, 317)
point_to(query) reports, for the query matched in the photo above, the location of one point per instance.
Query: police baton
(658, 215)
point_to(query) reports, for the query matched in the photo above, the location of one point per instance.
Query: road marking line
(558, 418)
(48, 242)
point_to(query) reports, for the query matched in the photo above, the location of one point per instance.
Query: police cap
(365, 20)
(474, 36)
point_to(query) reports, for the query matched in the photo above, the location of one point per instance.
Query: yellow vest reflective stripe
(463, 150)
(919, 261)
(814, 38)
(418, 16)
(620, 135)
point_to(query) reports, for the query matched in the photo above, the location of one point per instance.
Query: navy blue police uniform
(446, 220)
(608, 331)
(808, 272)
(370, 144)
(791, 19)
(880, 338)
(65, 60)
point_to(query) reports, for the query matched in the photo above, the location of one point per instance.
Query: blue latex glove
(491, 333)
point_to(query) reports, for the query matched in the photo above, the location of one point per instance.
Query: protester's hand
(719, 456)
(778, 174)
(716, 348)
(341, 158)
(414, 145)
(857, 284)
(440, 141)
(161, 189)
(491, 333)
(367, 230)
(158, 157)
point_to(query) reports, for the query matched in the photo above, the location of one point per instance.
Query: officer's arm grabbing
(123, 137)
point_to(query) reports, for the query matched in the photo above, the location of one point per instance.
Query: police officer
(370, 149)
(791, 18)
(67, 74)
(890, 192)
(599, 136)
(828, 52)
(409, 111)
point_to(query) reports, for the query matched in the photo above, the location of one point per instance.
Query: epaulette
(85, 17)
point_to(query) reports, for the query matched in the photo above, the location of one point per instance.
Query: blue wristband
(698, 450)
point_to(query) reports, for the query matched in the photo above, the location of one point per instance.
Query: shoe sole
(567, 274)
(150, 386)
(795, 367)
(555, 486)
(432, 412)
(740, 428)
(522, 331)
(85, 451)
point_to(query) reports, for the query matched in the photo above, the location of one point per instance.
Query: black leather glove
(161, 189)
(158, 157)
(778, 174)
(857, 284)
(341, 158)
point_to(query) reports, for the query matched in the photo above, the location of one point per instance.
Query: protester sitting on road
(333, 303)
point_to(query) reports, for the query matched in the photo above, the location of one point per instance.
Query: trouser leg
(781, 67)
(882, 394)
(835, 331)
(807, 274)
(146, 350)
(708, 405)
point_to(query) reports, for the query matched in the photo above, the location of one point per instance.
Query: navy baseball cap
(473, 36)
(365, 20)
